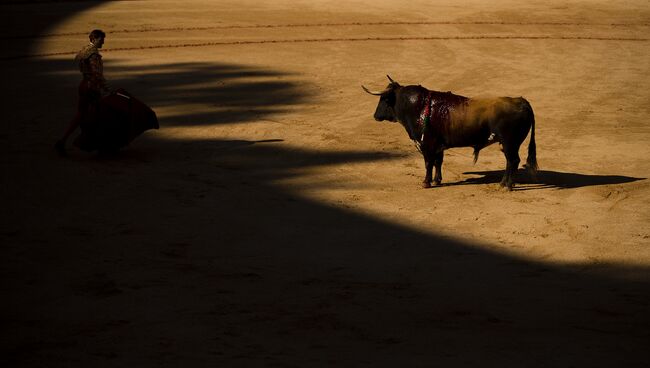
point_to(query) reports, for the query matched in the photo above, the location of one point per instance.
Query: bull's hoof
(437, 182)
(426, 184)
(506, 186)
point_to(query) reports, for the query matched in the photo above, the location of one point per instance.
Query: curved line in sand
(318, 40)
(343, 24)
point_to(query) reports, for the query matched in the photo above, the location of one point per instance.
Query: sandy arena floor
(272, 222)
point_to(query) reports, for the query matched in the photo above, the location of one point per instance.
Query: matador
(93, 85)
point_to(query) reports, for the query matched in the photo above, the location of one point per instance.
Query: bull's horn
(376, 93)
(390, 79)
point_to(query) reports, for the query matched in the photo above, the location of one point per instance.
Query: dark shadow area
(215, 93)
(547, 179)
(33, 17)
(208, 260)
(221, 93)
(184, 252)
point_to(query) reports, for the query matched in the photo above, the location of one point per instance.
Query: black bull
(440, 120)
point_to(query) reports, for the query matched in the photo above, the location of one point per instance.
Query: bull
(436, 121)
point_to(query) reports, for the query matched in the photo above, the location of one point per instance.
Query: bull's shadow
(546, 179)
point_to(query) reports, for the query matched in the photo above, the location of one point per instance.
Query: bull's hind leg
(512, 159)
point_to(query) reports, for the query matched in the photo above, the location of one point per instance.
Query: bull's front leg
(437, 162)
(428, 164)
(433, 158)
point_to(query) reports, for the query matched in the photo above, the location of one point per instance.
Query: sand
(272, 222)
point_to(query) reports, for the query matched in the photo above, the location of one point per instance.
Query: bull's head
(387, 98)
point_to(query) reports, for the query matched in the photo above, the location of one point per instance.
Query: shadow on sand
(218, 93)
(187, 252)
(547, 179)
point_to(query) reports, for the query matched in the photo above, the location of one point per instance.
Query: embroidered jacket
(92, 67)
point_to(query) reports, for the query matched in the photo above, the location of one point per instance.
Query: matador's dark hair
(96, 33)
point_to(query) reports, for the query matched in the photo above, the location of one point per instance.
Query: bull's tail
(531, 161)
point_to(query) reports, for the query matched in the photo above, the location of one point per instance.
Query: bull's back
(473, 123)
